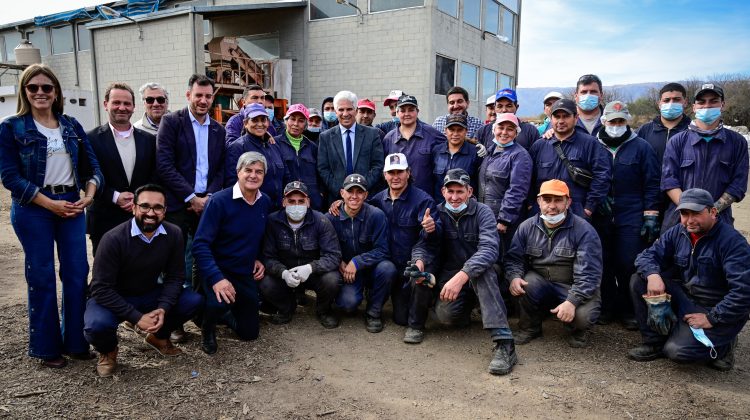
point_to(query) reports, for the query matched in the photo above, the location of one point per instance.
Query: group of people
(583, 219)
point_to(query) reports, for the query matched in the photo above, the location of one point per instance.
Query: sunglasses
(150, 99)
(35, 88)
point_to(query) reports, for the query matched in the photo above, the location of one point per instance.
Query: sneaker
(413, 336)
(107, 364)
(178, 335)
(578, 339)
(645, 353)
(373, 325)
(328, 320)
(504, 358)
(726, 363)
(133, 328)
(281, 318)
(525, 336)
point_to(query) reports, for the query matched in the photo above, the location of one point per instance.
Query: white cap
(395, 161)
(553, 94)
(490, 100)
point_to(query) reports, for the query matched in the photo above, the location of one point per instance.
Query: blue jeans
(38, 230)
(377, 279)
(101, 324)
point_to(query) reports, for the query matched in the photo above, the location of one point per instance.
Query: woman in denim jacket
(45, 161)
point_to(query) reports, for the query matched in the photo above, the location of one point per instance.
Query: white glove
(302, 272)
(481, 150)
(290, 279)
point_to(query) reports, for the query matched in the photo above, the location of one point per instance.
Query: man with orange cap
(555, 258)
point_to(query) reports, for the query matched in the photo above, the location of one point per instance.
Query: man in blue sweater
(226, 248)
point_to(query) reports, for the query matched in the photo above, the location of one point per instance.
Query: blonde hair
(24, 106)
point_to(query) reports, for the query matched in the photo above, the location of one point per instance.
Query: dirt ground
(302, 371)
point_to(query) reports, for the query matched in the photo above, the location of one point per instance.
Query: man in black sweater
(125, 284)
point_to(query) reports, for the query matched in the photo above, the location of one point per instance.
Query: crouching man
(708, 266)
(301, 250)
(464, 256)
(125, 285)
(555, 260)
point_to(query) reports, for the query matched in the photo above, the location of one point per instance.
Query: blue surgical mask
(329, 116)
(553, 220)
(395, 119)
(269, 111)
(588, 102)
(503, 145)
(701, 336)
(458, 209)
(616, 131)
(313, 129)
(296, 213)
(671, 111)
(708, 115)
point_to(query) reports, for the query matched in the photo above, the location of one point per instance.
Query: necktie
(349, 152)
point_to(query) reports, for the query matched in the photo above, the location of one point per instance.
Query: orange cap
(554, 187)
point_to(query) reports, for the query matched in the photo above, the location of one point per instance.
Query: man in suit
(127, 157)
(348, 148)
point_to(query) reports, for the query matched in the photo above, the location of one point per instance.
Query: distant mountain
(530, 99)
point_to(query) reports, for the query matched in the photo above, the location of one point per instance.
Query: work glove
(605, 209)
(481, 150)
(660, 314)
(650, 230)
(413, 272)
(289, 278)
(302, 272)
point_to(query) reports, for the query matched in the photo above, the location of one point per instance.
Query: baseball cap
(456, 119)
(490, 100)
(406, 100)
(554, 187)
(457, 175)
(295, 186)
(507, 117)
(252, 111)
(695, 199)
(506, 93)
(709, 87)
(393, 97)
(614, 110)
(298, 108)
(366, 103)
(313, 112)
(395, 161)
(553, 94)
(566, 105)
(355, 180)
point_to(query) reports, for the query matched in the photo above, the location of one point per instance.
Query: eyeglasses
(158, 209)
(150, 99)
(35, 88)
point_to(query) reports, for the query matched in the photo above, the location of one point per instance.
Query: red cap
(366, 103)
(298, 108)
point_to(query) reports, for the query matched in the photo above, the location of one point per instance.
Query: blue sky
(621, 41)
(632, 41)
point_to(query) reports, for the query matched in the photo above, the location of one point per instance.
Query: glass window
(448, 6)
(473, 12)
(381, 5)
(62, 39)
(506, 81)
(84, 37)
(322, 9)
(489, 83)
(492, 17)
(38, 39)
(445, 74)
(469, 73)
(260, 47)
(509, 25)
(511, 4)
(12, 39)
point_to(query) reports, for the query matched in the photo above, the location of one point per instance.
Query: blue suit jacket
(368, 158)
(176, 157)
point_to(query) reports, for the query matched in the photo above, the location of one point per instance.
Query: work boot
(645, 353)
(328, 320)
(163, 345)
(107, 364)
(504, 357)
(178, 335)
(373, 325)
(578, 339)
(281, 318)
(526, 335)
(726, 363)
(208, 335)
(629, 323)
(413, 336)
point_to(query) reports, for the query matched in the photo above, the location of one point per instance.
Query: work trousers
(244, 309)
(543, 294)
(377, 280)
(276, 292)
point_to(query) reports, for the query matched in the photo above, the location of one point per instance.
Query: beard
(147, 225)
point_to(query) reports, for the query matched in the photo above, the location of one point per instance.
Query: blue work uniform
(465, 158)
(528, 135)
(418, 151)
(302, 166)
(657, 135)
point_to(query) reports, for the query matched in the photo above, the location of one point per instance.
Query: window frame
(503, 11)
(476, 80)
(498, 19)
(310, 8)
(453, 83)
(495, 80)
(458, 8)
(463, 17)
(52, 40)
(79, 26)
(369, 8)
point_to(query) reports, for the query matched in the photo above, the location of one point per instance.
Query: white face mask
(616, 131)
(296, 213)
(553, 220)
